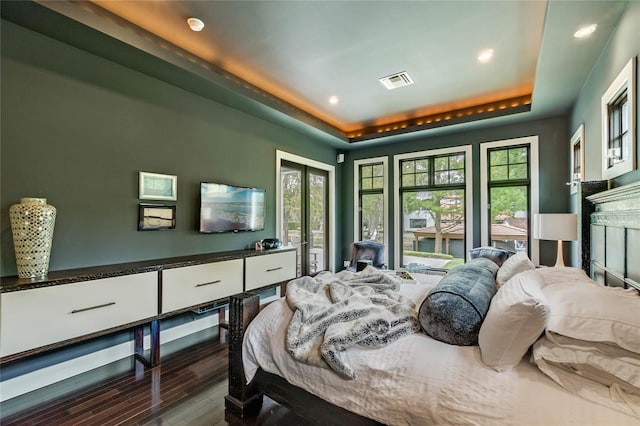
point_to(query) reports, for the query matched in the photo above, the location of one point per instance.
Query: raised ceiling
(295, 55)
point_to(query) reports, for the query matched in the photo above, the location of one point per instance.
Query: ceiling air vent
(394, 81)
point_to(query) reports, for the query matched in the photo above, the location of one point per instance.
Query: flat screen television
(227, 208)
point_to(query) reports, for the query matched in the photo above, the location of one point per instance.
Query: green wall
(623, 45)
(77, 128)
(554, 162)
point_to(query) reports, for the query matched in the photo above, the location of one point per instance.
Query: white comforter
(418, 380)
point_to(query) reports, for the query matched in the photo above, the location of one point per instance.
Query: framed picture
(154, 186)
(577, 159)
(152, 217)
(618, 110)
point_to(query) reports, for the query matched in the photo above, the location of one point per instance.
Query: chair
(366, 250)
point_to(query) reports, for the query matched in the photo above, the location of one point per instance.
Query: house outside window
(433, 208)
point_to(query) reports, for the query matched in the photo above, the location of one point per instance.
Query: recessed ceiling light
(585, 31)
(485, 55)
(333, 100)
(195, 24)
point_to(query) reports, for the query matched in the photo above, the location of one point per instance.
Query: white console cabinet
(42, 316)
(70, 306)
(192, 285)
(262, 271)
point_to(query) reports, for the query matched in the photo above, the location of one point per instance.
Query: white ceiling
(303, 52)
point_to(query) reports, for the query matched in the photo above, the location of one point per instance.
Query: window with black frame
(618, 115)
(509, 186)
(432, 210)
(371, 201)
(618, 137)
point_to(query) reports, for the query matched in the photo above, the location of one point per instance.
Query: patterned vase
(32, 224)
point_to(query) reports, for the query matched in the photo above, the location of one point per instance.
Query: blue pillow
(455, 308)
(498, 255)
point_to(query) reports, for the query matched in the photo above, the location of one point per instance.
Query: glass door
(304, 202)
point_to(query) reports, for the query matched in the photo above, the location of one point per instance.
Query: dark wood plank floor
(188, 388)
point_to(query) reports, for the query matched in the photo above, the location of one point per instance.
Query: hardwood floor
(188, 388)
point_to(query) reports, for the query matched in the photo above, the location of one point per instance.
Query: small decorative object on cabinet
(32, 223)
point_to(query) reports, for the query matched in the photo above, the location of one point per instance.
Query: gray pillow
(498, 255)
(454, 309)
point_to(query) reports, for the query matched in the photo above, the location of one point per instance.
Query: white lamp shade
(555, 226)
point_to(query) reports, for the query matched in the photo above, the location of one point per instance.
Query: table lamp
(556, 226)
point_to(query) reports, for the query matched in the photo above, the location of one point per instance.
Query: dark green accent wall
(623, 45)
(554, 162)
(77, 128)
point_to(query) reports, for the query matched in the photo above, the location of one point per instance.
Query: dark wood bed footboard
(245, 399)
(306, 405)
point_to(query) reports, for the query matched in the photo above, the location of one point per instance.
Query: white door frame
(331, 170)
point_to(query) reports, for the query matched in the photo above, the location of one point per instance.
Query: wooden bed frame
(615, 244)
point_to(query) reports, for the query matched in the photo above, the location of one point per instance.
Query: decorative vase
(32, 224)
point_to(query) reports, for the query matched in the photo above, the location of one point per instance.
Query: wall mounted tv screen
(227, 208)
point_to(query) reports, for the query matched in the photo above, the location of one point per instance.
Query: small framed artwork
(153, 217)
(577, 159)
(154, 186)
(618, 110)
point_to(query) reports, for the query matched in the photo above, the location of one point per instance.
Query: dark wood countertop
(53, 278)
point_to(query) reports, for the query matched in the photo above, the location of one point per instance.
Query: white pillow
(595, 313)
(515, 264)
(516, 318)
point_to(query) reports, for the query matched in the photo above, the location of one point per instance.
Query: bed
(418, 379)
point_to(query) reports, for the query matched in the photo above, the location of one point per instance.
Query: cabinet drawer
(42, 316)
(269, 269)
(193, 285)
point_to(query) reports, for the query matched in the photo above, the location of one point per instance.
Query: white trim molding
(626, 80)
(331, 170)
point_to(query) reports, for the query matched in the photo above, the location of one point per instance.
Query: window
(509, 195)
(577, 159)
(618, 138)
(618, 115)
(433, 207)
(371, 201)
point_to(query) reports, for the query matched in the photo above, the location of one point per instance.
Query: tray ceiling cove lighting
(195, 24)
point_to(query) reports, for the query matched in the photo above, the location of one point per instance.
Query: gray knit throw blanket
(335, 311)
